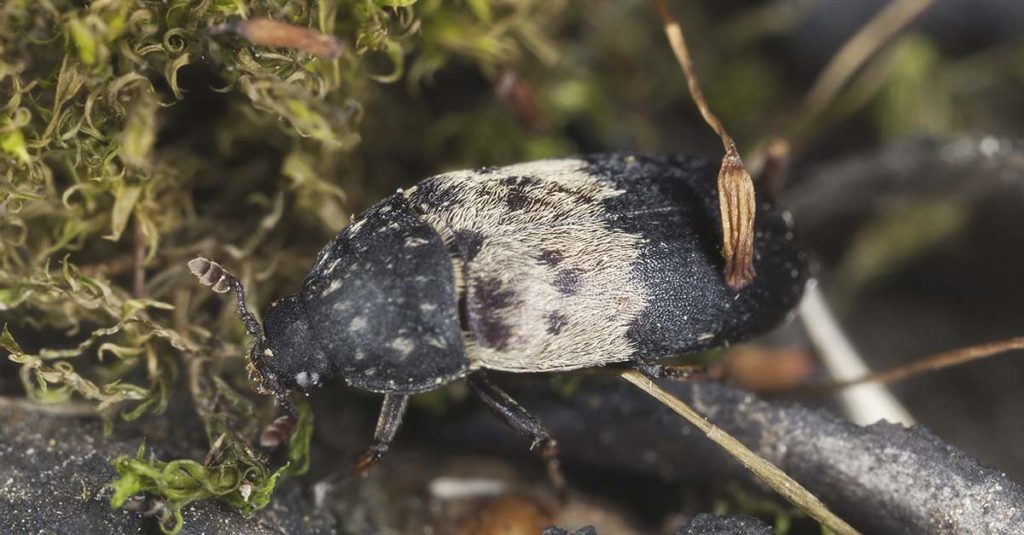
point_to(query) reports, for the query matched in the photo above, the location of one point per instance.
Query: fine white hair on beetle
(557, 315)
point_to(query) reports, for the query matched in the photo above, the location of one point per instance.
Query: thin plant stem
(858, 49)
(766, 471)
(935, 362)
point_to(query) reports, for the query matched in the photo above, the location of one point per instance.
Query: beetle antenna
(221, 281)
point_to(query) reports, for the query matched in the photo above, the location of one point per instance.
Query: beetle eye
(307, 379)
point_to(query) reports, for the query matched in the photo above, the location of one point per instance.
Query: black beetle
(544, 266)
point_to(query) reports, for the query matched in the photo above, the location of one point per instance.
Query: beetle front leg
(391, 414)
(524, 423)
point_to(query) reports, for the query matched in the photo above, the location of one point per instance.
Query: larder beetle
(546, 266)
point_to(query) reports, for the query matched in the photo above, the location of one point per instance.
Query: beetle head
(289, 356)
(279, 354)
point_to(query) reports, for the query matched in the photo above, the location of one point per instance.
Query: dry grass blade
(887, 23)
(766, 471)
(936, 362)
(736, 200)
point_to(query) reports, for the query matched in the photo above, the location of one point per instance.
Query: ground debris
(705, 524)
(883, 478)
(69, 495)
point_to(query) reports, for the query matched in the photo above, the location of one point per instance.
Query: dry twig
(935, 362)
(854, 53)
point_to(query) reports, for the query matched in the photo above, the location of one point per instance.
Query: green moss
(238, 479)
(131, 139)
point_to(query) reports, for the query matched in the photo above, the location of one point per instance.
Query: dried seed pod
(268, 32)
(737, 202)
(736, 198)
(521, 99)
(277, 432)
(210, 274)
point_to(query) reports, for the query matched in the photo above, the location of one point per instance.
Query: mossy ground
(131, 139)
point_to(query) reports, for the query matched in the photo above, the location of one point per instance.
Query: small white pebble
(455, 488)
(989, 146)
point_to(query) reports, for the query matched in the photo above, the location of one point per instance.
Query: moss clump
(132, 138)
(239, 478)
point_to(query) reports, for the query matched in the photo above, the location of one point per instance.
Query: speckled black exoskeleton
(545, 266)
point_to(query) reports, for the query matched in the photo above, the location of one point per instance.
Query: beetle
(553, 265)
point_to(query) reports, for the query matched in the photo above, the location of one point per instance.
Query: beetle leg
(693, 372)
(524, 423)
(391, 413)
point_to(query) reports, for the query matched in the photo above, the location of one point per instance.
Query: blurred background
(132, 139)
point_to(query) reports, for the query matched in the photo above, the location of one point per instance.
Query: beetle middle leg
(391, 414)
(524, 423)
(694, 372)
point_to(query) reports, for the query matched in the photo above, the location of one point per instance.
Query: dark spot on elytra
(577, 197)
(518, 195)
(494, 332)
(567, 281)
(435, 192)
(520, 181)
(489, 296)
(468, 243)
(516, 199)
(556, 320)
(551, 257)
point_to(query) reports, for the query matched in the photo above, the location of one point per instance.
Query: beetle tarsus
(549, 451)
(524, 423)
(370, 459)
(391, 413)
